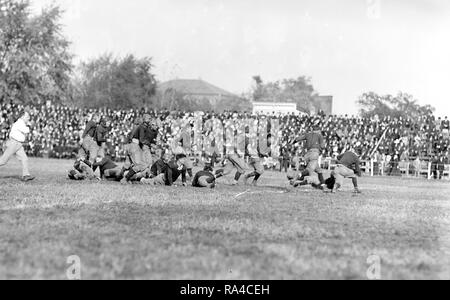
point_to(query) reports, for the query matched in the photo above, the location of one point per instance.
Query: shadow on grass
(15, 177)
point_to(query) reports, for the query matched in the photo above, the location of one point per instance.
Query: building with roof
(202, 92)
(323, 104)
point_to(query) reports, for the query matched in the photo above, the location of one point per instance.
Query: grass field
(139, 232)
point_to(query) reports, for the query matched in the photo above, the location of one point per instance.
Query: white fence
(404, 169)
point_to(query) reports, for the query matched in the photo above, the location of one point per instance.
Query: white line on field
(259, 192)
(241, 194)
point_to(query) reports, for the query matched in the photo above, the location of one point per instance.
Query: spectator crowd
(56, 133)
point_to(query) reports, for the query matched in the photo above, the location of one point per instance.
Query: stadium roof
(194, 87)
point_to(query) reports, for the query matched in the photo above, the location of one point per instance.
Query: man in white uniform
(14, 146)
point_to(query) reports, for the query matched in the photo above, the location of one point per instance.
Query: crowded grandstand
(388, 146)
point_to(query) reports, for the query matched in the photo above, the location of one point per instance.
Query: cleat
(28, 178)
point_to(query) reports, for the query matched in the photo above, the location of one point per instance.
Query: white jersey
(19, 131)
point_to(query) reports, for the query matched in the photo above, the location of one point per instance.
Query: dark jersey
(146, 135)
(90, 129)
(351, 161)
(173, 172)
(151, 137)
(314, 140)
(105, 164)
(101, 134)
(132, 134)
(210, 178)
(159, 167)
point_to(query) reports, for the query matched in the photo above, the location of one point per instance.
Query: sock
(355, 183)
(257, 176)
(237, 176)
(251, 175)
(321, 179)
(213, 159)
(130, 174)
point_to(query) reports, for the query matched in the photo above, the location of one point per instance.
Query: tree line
(36, 66)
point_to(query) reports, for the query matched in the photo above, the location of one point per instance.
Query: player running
(255, 163)
(233, 161)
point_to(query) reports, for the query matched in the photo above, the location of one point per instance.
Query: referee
(14, 146)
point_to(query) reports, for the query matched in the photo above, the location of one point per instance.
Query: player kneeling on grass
(82, 171)
(182, 153)
(348, 167)
(205, 178)
(171, 172)
(109, 170)
(156, 174)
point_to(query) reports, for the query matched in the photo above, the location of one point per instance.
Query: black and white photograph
(224, 141)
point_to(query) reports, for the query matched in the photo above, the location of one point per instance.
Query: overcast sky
(347, 47)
